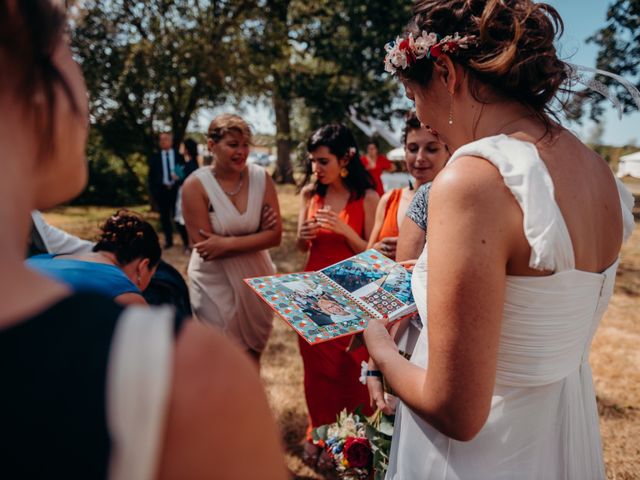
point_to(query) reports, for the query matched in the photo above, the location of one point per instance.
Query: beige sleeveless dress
(218, 293)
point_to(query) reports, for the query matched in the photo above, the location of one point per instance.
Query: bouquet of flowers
(359, 445)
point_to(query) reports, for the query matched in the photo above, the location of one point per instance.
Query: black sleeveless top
(53, 371)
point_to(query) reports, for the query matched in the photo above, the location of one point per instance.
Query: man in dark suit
(318, 317)
(164, 182)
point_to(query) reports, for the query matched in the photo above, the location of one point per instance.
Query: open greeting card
(340, 299)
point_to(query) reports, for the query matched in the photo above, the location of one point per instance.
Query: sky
(582, 18)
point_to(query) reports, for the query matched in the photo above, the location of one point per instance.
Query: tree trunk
(283, 172)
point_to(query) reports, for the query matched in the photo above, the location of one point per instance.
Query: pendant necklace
(237, 189)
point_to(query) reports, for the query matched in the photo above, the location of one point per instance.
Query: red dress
(382, 164)
(330, 372)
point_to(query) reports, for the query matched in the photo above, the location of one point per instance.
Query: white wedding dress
(543, 422)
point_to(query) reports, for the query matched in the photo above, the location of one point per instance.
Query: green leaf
(320, 433)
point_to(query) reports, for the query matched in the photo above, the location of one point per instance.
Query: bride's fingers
(377, 396)
(393, 328)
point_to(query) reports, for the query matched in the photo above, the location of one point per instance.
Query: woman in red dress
(375, 164)
(336, 218)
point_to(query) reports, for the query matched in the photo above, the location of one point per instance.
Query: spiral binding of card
(354, 299)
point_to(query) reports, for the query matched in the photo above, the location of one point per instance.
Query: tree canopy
(318, 59)
(618, 52)
(150, 65)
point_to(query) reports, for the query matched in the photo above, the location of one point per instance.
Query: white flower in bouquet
(349, 427)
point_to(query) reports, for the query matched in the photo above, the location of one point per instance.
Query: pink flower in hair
(404, 52)
(423, 43)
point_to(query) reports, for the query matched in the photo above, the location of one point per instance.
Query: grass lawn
(615, 356)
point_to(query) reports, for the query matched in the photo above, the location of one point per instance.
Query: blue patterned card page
(379, 283)
(311, 304)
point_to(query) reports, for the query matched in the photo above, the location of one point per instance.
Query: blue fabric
(84, 276)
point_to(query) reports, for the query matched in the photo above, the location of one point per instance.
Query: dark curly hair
(411, 123)
(29, 34)
(129, 237)
(341, 143)
(514, 52)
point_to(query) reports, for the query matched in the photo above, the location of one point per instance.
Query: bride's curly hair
(514, 53)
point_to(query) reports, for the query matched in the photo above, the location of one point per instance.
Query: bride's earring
(450, 109)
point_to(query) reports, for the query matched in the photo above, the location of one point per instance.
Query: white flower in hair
(404, 52)
(388, 66)
(399, 59)
(396, 58)
(451, 43)
(423, 43)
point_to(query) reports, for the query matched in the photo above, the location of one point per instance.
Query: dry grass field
(615, 356)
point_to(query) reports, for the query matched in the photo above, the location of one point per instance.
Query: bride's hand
(378, 339)
(377, 397)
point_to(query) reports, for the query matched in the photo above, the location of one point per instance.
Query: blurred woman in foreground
(92, 390)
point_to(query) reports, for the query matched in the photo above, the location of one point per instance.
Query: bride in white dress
(525, 229)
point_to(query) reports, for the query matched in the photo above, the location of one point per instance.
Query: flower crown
(404, 52)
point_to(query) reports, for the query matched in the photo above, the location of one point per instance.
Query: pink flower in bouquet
(357, 451)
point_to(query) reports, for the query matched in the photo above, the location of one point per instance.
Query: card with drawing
(340, 299)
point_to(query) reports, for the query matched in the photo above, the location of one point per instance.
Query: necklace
(511, 122)
(238, 187)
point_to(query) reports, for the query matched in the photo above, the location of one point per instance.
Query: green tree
(619, 52)
(320, 58)
(150, 64)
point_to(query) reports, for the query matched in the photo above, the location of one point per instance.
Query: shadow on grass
(628, 280)
(608, 408)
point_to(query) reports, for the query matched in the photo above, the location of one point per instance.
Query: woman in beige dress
(232, 216)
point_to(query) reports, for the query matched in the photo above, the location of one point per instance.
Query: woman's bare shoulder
(216, 406)
(472, 184)
(192, 184)
(371, 196)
